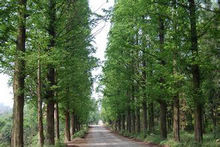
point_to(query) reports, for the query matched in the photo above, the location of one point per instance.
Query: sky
(103, 27)
(100, 42)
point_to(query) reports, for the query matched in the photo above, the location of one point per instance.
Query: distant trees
(51, 62)
(156, 55)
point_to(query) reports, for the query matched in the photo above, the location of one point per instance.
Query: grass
(187, 139)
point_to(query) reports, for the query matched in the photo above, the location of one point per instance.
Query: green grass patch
(187, 140)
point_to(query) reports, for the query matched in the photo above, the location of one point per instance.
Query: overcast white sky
(97, 6)
(6, 96)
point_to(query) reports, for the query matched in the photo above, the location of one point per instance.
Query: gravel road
(99, 136)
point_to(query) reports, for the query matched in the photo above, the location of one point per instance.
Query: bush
(81, 133)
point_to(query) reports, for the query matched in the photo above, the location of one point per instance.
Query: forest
(160, 80)
(46, 50)
(161, 75)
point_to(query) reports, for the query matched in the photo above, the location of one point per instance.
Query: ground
(100, 136)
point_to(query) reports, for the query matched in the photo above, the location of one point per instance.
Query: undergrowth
(187, 139)
(81, 133)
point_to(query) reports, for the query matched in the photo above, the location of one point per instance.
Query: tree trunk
(176, 110)
(144, 105)
(195, 73)
(67, 126)
(176, 119)
(72, 124)
(129, 121)
(57, 124)
(133, 121)
(151, 117)
(129, 113)
(51, 77)
(119, 123)
(138, 120)
(198, 123)
(19, 76)
(163, 125)
(163, 105)
(170, 119)
(50, 123)
(123, 122)
(133, 116)
(75, 126)
(39, 106)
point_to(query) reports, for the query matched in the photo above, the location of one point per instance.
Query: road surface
(99, 136)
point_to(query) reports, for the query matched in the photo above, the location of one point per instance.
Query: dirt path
(99, 136)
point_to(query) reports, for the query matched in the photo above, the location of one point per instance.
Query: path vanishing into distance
(100, 136)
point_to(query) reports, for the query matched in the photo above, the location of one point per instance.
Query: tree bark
(57, 124)
(72, 124)
(75, 126)
(67, 126)
(133, 121)
(119, 123)
(51, 77)
(50, 123)
(176, 110)
(138, 120)
(129, 121)
(19, 77)
(133, 116)
(129, 113)
(163, 105)
(151, 117)
(123, 122)
(170, 119)
(39, 106)
(176, 119)
(77, 123)
(195, 73)
(163, 125)
(144, 105)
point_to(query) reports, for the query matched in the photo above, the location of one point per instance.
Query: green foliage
(81, 133)
(141, 66)
(5, 129)
(144, 66)
(71, 57)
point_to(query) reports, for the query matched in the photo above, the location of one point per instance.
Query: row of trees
(163, 55)
(45, 47)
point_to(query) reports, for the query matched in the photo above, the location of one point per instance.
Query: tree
(19, 77)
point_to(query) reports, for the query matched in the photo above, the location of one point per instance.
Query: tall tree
(19, 77)
(195, 72)
(51, 75)
(39, 104)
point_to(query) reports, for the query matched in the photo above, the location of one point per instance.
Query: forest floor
(100, 136)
